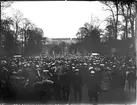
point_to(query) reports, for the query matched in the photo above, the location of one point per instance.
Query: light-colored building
(66, 40)
(57, 41)
(48, 42)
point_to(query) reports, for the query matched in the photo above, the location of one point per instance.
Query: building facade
(49, 42)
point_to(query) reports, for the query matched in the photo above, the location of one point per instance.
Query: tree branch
(110, 9)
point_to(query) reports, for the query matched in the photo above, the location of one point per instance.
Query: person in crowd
(105, 83)
(77, 85)
(94, 84)
(131, 77)
(65, 81)
(57, 87)
(64, 71)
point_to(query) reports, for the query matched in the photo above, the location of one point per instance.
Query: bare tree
(127, 10)
(132, 18)
(112, 6)
(116, 3)
(17, 17)
(4, 5)
(26, 25)
(123, 11)
(110, 26)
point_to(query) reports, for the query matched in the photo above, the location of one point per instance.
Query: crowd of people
(51, 78)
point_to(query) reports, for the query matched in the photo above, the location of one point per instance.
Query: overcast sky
(60, 19)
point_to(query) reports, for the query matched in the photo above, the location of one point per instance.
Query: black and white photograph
(68, 52)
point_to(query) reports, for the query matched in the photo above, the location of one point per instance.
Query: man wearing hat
(57, 86)
(131, 78)
(5, 76)
(77, 83)
(65, 81)
(84, 73)
(94, 84)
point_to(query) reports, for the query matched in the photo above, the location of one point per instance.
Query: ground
(115, 96)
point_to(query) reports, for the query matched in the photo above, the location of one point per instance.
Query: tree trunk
(131, 22)
(126, 30)
(136, 34)
(125, 15)
(116, 31)
(15, 39)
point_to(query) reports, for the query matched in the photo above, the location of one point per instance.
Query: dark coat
(94, 82)
(77, 81)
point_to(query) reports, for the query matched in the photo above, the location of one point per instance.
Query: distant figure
(31, 74)
(65, 81)
(84, 72)
(57, 87)
(94, 86)
(77, 84)
(105, 83)
(131, 78)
